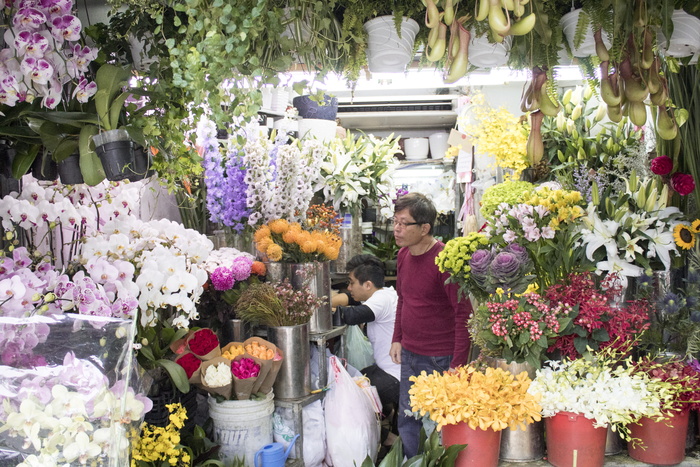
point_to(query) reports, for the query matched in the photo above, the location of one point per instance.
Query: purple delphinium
(213, 168)
(235, 210)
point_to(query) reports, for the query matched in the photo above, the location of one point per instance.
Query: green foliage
(430, 454)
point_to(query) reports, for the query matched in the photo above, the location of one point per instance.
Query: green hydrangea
(509, 192)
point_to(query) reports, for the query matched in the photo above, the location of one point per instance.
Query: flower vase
(351, 235)
(573, 441)
(482, 449)
(614, 443)
(661, 442)
(294, 378)
(315, 275)
(520, 445)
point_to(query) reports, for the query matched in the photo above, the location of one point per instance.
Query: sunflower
(695, 226)
(684, 236)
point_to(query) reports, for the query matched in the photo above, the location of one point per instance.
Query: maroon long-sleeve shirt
(429, 318)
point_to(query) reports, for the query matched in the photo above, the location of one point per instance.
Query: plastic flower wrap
(499, 133)
(76, 407)
(519, 329)
(494, 398)
(603, 389)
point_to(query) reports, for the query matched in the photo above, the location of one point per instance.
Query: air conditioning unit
(398, 112)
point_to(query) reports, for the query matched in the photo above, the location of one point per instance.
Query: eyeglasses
(403, 225)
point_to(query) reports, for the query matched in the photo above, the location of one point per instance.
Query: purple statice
(583, 182)
(213, 169)
(241, 268)
(222, 278)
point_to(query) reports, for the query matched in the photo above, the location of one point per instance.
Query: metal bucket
(519, 445)
(614, 444)
(315, 275)
(294, 378)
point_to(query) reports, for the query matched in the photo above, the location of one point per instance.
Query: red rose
(662, 165)
(190, 363)
(682, 183)
(203, 341)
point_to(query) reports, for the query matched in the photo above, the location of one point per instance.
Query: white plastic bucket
(386, 51)
(484, 54)
(242, 427)
(587, 47)
(685, 40)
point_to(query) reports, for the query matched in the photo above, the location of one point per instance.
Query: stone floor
(692, 459)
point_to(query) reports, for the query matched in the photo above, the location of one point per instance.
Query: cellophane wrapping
(70, 393)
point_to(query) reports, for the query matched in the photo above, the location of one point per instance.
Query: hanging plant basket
(44, 167)
(116, 152)
(484, 54)
(69, 170)
(309, 108)
(685, 40)
(142, 165)
(569, 23)
(386, 51)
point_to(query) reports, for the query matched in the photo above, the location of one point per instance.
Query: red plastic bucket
(483, 446)
(573, 441)
(664, 440)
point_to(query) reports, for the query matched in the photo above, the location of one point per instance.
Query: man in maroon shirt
(430, 332)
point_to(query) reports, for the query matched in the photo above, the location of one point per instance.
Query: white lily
(661, 245)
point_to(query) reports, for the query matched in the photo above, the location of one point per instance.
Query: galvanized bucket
(315, 275)
(294, 378)
(519, 445)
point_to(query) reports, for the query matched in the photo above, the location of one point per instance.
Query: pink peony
(662, 165)
(682, 183)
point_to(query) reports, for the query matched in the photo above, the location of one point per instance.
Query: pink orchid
(66, 27)
(38, 70)
(28, 18)
(84, 90)
(31, 43)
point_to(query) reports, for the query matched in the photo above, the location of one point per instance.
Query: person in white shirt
(378, 310)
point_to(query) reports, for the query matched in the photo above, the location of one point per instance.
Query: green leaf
(90, 164)
(601, 335)
(177, 374)
(395, 456)
(147, 352)
(23, 161)
(367, 462)
(451, 454)
(65, 148)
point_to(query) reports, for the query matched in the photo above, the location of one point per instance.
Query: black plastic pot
(7, 155)
(117, 159)
(142, 165)
(311, 109)
(44, 167)
(69, 170)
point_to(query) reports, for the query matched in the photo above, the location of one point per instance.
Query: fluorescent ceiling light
(427, 78)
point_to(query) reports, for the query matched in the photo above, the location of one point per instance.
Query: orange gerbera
(278, 226)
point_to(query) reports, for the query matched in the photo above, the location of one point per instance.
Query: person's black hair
(419, 207)
(367, 268)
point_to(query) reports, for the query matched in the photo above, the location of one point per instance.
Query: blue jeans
(411, 365)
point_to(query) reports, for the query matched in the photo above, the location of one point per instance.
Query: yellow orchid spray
(492, 398)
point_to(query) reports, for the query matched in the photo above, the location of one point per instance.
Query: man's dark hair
(419, 206)
(367, 268)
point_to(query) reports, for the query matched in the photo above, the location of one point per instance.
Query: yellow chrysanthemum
(290, 236)
(684, 236)
(262, 232)
(279, 226)
(308, 246)
(263, 244)
(274, 252)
